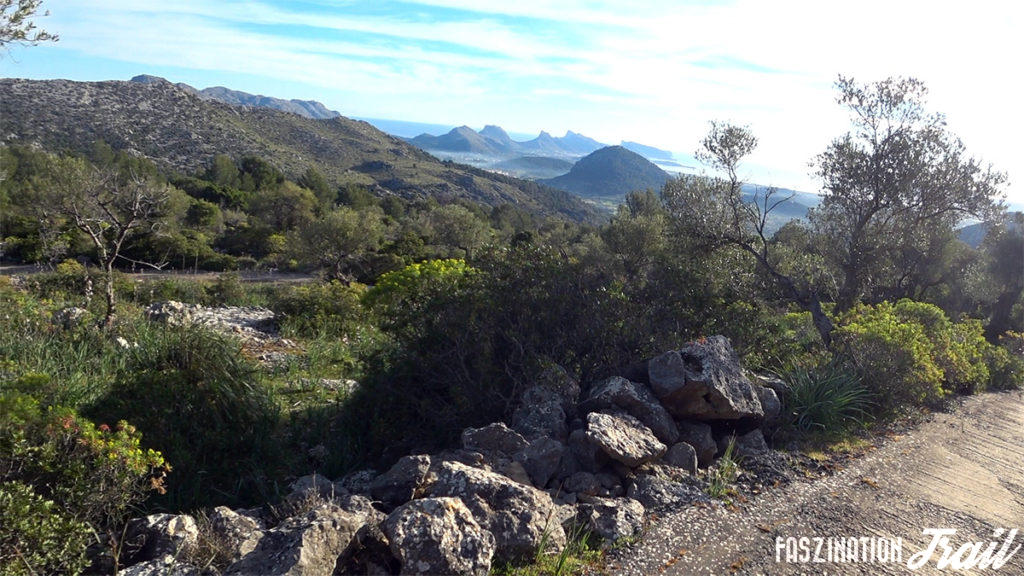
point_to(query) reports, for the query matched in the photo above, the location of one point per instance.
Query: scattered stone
(699, 436)
(624, 438)
(636, 400)
(662, 494)
(161, 535)
(612, 518)
(493, 440)
(70, 318)
(163, 566)
(682, 455)
(704, 381)
(519, 517)
(439, 536)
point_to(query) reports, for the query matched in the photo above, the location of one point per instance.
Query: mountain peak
(612, 171)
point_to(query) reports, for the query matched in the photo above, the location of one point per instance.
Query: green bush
(321, 309)
(203, 405)
(895, 358)
(1006, 362)
(35, 537)
(93, 474)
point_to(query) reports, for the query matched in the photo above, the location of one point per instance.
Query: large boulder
(307, 545)
(704, 381)
(542, 459)
(657, 493)
(770, 403)
(402, 482)
(624, 438)
(159, 535)
(611, 518)
(699, 435)
(636, 400)
(521, 518)
(439, 536)
(163, 566)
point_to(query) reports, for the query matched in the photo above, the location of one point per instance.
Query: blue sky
(654, 72)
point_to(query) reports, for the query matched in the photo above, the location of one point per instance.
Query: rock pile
(601, 459)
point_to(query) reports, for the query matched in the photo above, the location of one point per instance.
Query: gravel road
(961, 470)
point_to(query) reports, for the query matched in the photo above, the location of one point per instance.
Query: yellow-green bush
(35, 537)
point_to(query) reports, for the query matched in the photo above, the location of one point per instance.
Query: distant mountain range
(181, 130)
(610, 172)
(494, 141)
(307, 108)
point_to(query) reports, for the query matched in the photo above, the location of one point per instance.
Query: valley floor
(961, 470)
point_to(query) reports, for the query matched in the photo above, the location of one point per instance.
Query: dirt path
(962, 470)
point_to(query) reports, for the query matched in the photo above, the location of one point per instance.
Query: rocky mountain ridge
(181, 131)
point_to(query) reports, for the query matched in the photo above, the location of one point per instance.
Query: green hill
(610, 172)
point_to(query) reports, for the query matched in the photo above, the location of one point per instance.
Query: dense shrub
(200, 402)
(35, 537)
(93, 473)
(320, 309)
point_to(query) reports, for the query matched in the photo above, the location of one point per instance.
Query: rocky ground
(961, 470)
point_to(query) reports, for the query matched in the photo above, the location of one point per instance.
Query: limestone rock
(439, 536)
(636, 400)
(162, 566)
(493, 440)
(681, 455)
(612, 518)
(542, 459)
(519, 517)
(704, 381)
(699, 436)
(402, 482)
(239, 533)
(161, 535)
(623, 438)
(657, 493)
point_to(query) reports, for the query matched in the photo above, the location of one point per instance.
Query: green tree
(894, 187)
(17, 27)
(342, 241)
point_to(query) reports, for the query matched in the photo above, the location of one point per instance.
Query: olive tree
(16, 24)
(894, 187)
(108, 207)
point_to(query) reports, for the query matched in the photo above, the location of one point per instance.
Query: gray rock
(161, 535)
(542, 460)
(636, 400)
(310, 486)
(541, 414)
(163, 566)
(404, 481)
(698, 435)
(582, 483)
(493, 440)
(307, 545)
(623, 438)
(612, 518)
(238, 533)
(519, 517)
(750, 444)
(587, 456)
(681, 455)
(663, 494)
(71, 317)
(704, 381)
(357, 482)
(439, 536)
(770, 404)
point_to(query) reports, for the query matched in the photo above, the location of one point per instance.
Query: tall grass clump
(828, 399)
(196, 398)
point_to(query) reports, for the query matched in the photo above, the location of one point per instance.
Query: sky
(654, 71)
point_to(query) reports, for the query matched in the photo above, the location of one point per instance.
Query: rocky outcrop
(704, 381)
(238, 534)
(611, 518)
(439, 536)
(159, 535)
(402, 482)
(699, 435)
(624, 438)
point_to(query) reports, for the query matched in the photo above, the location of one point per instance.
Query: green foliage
(202, 404)
(315, 309)
(35, 538)
(827, 399)
(94, 474)
(722, 477)
(1006, 362)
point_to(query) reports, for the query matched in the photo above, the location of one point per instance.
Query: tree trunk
(108, 320)
(821, 320)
